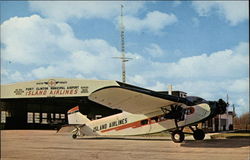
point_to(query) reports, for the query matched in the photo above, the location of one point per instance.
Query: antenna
(123, 57)
(227, 99)
(227, 103)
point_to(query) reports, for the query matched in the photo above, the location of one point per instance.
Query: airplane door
(152, 122)
(145, 126)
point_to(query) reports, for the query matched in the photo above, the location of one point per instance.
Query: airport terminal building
(43, 104)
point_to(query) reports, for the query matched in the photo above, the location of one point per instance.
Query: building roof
(53, 87)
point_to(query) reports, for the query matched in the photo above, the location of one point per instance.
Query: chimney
(170, 89)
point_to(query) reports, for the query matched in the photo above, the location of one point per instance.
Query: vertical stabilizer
(75, 117)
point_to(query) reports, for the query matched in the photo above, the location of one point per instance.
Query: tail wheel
(74, 136)
(199, 134)
(177, 136)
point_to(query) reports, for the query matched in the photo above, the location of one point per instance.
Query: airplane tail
(75, 117)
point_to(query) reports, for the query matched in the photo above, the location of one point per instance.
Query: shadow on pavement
(208, 143)
(125, 138)
(217, 143)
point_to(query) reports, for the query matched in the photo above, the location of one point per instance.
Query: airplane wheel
(199, 134)
(74, 136)
(177, 136)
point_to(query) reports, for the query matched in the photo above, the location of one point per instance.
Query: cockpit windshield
(196, 100)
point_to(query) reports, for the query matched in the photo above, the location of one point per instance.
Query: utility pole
(227, 99)
(123, 58)
(227, 102)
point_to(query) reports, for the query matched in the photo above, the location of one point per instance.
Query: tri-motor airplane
(145, 112)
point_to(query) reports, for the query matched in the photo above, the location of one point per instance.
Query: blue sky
(199, 47)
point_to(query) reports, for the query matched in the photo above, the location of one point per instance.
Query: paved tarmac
(46, 145)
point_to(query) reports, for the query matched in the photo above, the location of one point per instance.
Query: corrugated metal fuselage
(136, 124)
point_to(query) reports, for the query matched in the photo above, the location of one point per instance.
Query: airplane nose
(218, 107)
(221, 106)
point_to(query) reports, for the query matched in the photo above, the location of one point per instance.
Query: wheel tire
(74, 136)
(199, 134)
(177, 136)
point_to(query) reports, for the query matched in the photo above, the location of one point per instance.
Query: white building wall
(229, 120)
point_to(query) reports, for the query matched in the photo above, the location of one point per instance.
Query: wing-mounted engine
(175, 111)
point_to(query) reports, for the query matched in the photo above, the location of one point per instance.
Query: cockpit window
(196, 100)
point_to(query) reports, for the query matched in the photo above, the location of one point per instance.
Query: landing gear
(199, 134)
(177, 136)
(74, 136)
(76, 132)
(177, 113)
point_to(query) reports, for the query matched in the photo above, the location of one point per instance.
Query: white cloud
(87, 63)
(137, 80)
(242, 105)
(239, 85)
(234, 12)
(238, 91)
(214, 66)
(154, 50)
(154, 21)
(218, 64)
(64, 10)
(242, 49)
(49, 71)
(211, 89)
(210, 76)
(158, 86)
(53, 50)
(34, 40)
(10, 75)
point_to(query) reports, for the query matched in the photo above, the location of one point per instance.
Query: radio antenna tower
(123, 58)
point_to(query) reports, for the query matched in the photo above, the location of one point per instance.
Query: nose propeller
(221, 106)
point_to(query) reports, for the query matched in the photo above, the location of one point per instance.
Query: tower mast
(123, 58)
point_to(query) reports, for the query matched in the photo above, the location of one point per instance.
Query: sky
(199, 47)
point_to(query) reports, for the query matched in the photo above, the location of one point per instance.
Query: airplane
(144, 112)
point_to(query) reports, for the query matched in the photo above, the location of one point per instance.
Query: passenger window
(162, 118)
(143, 122)
(154, 119)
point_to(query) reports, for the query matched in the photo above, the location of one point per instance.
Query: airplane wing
(134, 100)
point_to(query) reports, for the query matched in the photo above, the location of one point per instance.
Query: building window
(62, 116)
(51, 116)
(44, 118)
(57, 116)
(3, 116)
(37, 117)
(30, 117)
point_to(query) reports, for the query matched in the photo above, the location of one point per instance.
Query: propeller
(176, 112)
(221, 106)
